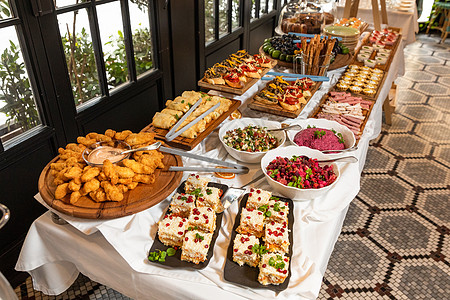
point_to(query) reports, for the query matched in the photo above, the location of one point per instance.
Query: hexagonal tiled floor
(432, 89)
(399, 124)
(420, 112)
(365, 261)
(420, 279)
(403, 233)
(410, 96)
(441, 103)
(438, 70)
(418, 51)
(406, 145)
(429, 60)
(414, 66)
(378, 160)
(444, 80)
(442, 54)
(404, 83)
(356, 216)
(420, 76)
(434, 205)
(389, 191)
(434, 132)
(424, 173)
(442, 154)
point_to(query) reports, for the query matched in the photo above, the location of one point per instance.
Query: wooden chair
(444, 8)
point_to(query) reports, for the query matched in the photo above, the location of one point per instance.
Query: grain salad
(250, 139)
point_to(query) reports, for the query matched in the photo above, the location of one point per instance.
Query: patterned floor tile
(420, 112)
(428, 60)
(442, 54)
(406, 145)
(356, 217)
(378, 160)
(434, 205)
(421, 279)
(444, 80)
(438, 70)
(434, 132)
(432, 89)
(414, 66)
(441, 103)
(407, 96)
(404, 233)
(399, 124)
(420, 76)
(385, 191)
(442, 154)
(424, 173)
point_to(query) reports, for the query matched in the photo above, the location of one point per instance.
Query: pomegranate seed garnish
(180, 232)
(197, 176)
(286, 259)
(186, 238)
(196, 218)
(247, 239)
(281, 213)
(258, 191)
(272, 223)
(259, 213)
(248, 217)
(285, 271)
(250, 194)
(251, 190)
(207, 221)
(259, 198)
(206, 246)
(167, 224)
(235, 250)
(264, 265)
(250, 247)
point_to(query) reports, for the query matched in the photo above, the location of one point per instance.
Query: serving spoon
(285, 128)
(153, 146)
(349, 159)
(340, 151)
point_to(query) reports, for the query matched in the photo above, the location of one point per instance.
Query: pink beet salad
(320, 139)
(301, 172)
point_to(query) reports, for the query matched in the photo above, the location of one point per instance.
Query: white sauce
(100, 154)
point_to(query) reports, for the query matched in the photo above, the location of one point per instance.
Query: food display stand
(114, 252)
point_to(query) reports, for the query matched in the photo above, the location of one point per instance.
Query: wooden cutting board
(139, 199)
(187, 143)
(228, 89)
(276, 109)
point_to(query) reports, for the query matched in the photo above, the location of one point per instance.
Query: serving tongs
(233, 168)
(173, 133)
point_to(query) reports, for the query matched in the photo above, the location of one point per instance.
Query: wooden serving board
(139, 199)
(276, 109)
(365, 112)
(228, 89)
(186, 143)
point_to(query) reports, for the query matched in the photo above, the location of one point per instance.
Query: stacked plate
(349, 35)
(404, 5)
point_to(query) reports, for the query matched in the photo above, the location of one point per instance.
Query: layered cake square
(171, 230)
(196, 246)
(242, 250)
(204, 218)
(273, 268)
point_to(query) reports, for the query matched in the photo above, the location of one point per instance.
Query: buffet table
(113, 252)
(406, 20)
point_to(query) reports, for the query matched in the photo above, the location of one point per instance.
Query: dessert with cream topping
(204, 218)
(210, 198)
(276, 237)
(196, 246)
(273, 268)
(195, 182)
(257, 198)
(278, 211)
(171, 230)
(252, 222)
(243, 252)
(182, 204)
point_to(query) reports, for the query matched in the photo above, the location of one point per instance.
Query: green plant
(81, 65)
(15, 90)
(116, 64)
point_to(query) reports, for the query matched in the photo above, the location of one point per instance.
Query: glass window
(79, 52)
(228, 12)
(5, 11)
(209, 21)
(18, 110)
(142, 37)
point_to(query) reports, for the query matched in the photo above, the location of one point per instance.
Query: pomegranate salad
(250, 139)
(301, 172)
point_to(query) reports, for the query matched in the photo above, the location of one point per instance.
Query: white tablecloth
(113, 252)
(406, 20)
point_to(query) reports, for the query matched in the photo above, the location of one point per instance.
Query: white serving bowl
(349, 137)
(250, 157)
(293, 192)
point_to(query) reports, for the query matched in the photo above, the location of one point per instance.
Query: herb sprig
(259, 249)
(160, 255)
